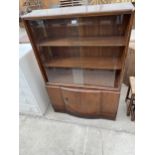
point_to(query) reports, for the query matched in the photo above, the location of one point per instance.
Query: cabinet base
(105, 116)
(87, 103)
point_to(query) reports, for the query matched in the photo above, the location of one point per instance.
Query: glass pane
(84, 51)
(46, 30)
(73, 65)
(102, 62)
(103, 26)
(106, 78)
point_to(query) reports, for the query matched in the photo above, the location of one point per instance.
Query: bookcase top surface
(80, 10)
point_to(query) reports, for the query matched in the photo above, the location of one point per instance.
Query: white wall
(33, 96)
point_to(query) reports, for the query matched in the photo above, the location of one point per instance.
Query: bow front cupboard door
(81, 101)
(84, 102)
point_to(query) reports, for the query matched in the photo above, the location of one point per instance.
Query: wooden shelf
(91, 41)
(85, 62)
(77, 25)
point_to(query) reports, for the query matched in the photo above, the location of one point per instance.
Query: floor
(63, 134)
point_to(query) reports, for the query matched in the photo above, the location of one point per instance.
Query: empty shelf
(85, 62)
(105, 41)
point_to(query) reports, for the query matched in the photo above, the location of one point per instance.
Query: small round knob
(66, 98)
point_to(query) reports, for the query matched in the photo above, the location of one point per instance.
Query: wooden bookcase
(81, 52)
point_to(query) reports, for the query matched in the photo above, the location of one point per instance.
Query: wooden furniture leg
(130, 101)
(132, 106)
(132, 116)
(127, 95)
(128, 109)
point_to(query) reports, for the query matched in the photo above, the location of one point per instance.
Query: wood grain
(78, 101)
(130, 63)
(84, 102)
(86, 63)
(110, 102)
(91, 41)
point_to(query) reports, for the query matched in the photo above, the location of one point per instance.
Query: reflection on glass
(82, 51)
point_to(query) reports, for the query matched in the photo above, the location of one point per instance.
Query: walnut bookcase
(81, 52)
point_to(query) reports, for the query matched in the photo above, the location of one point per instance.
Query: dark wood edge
(35, 50)
(127, 45)
(118, 99)
(107, 116)
(48, 84)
